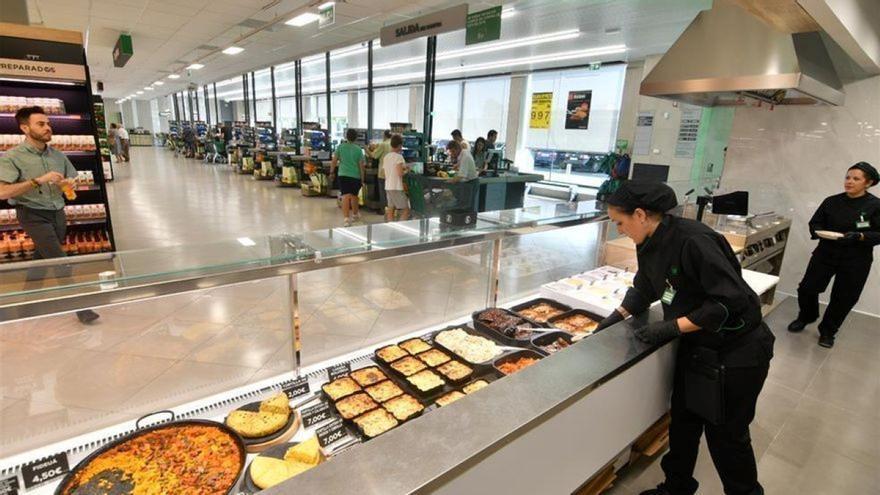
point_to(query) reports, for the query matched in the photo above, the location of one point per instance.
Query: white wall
(793, 157)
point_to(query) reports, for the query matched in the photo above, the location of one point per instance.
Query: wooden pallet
(652, 441)
(602, 481)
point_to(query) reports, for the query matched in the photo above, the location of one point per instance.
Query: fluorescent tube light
(158, 83)
(303, 19)
(326, 5)
(246, 241)
(195, 66)
(148, 88)
(233, 50)
(140, 92)
(508, 13)
(173, 76)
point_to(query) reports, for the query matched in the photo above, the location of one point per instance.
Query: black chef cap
(647, 195)
(869, 170)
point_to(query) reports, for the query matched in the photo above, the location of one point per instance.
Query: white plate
(828, 234)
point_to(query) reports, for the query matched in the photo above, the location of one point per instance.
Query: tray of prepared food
(552, 342)
(512, 362)
(415, 346)
(263, 424)
(282, 462)
(578, 322)
(540, 310)
(390, 353)
(384, 391)
(408, 366)
(370, 375)
(455, 371)
(463, 342)
(462, 392)
(354, 405)
(190, 456)
(434, 357)
(375, 422)
(340, 387)
(404, 407)
(504, 326)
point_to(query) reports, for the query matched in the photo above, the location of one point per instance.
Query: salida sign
(438, 22)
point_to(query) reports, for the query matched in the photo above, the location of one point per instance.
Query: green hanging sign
(122, 51)
(483, 26)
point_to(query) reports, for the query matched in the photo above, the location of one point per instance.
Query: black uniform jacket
(840, 213)
(697, 264)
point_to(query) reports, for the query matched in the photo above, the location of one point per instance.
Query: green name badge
(668, 296)
(864, 224)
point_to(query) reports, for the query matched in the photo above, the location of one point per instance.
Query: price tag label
(44, 470)
(298, 388)
(338, 371)
(315, 414)
(9, 486)
(330, 433)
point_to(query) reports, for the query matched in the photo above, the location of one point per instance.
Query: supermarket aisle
(159, 200)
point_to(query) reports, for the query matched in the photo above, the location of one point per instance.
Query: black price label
(338, 371)
(298, 388)
(44, 470)
(315, 414)
(9, 486)
(330, 433)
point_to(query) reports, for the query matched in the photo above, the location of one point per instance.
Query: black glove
(850, 238)
(658, 332)
(614, 317)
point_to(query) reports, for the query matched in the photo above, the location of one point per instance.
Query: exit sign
(122, 51)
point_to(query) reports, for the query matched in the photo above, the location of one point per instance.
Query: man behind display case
(33, 176)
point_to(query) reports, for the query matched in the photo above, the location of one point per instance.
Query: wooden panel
(40, 33)
(784, 15)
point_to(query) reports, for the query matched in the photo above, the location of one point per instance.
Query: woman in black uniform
(856, 214)
(692, 270)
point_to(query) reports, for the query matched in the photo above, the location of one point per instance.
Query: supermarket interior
(387, 246)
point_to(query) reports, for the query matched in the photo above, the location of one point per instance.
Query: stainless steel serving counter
(546, 429)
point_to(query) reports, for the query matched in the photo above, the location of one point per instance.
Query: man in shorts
(395, 167)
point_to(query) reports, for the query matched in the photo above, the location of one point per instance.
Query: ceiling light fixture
(173, 76)
(326, 5)
(303, 19)
(195, 66)
(140, 92)
(158, 83)
(508, 13)
(233, 50)
(148, 88)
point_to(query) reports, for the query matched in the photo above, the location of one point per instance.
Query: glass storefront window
(230, 94)
(348, 71)
(447, 111)
(485, 107)
(285, 91)
(200, 100)
(314, 89)
(391, 105)
(263, 96)
(397, 65)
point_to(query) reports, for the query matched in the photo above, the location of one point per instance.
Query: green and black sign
(122, 51)
(483, 26)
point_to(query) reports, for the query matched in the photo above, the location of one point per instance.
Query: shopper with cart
(724, 346)
(34, 177)
(378, 152)
(349, 161)
(123, 145)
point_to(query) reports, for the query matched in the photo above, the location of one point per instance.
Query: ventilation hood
(727, 56)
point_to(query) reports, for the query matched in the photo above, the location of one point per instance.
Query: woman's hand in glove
(851, 237)
(658, 332)
(615, 317)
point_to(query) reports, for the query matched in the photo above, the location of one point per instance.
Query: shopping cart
(219, 151)
(433, 196)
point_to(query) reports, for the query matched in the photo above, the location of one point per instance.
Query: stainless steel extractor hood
(727, 56)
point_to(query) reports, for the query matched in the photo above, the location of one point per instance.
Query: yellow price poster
(541, 106)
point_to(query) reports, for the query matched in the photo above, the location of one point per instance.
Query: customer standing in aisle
(111, 139)
(32, 176)
(456, 136)
(855, 215)
(122, 143)
(706, 303)
(378, 152)
(395, 168)
(349, 160)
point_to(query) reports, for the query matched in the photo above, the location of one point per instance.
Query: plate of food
(265, 423)
(829, 235)
(281, 463)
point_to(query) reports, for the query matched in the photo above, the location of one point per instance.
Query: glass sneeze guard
(130, 275)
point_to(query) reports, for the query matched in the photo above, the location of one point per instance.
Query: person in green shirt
(32, 176)
(349, 159)
(378, 152)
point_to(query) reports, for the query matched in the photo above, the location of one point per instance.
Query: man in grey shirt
(31, 177)
(465, 176)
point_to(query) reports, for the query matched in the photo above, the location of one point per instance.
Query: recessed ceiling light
(148, 88)
(195, 66)
(303, 19)
(233, 50)
(326, 5)
(158, 83)
(508, 12)
(173, 76)
(140, 92)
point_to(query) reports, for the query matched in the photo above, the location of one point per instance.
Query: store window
(230, 95)
(391, 105)
(582, 124)
(285, 91)
(348, 67)
(447, 111)
(396, 68)
(314, 90)
(263, 95)
(484, 107)
(200, 101)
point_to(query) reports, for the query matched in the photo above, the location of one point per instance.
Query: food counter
(559, 415)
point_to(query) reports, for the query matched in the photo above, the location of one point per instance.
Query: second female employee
(725, 349)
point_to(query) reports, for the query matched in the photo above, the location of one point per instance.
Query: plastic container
(513, 356)
(519, 307)
(577, 336)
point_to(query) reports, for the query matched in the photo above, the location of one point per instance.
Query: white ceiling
(168, 35)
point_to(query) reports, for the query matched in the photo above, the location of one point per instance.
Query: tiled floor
(817, 428)
(817, 425)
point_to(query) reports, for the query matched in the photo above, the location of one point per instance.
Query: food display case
(375, 356)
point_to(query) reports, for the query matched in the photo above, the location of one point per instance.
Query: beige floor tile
(170, 339)
(216, 309)
(29, 369)
(854, 392)
(823, 473)
(240, 346)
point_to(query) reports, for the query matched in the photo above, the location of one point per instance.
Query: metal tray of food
(118, 476)
(575, 312)
(541, 342)
(513, 357)
(534, 302)
(470, 331)
(507, 334)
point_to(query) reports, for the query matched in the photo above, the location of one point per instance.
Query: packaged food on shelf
(375, 422)
(404, 407)
(384, 391)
